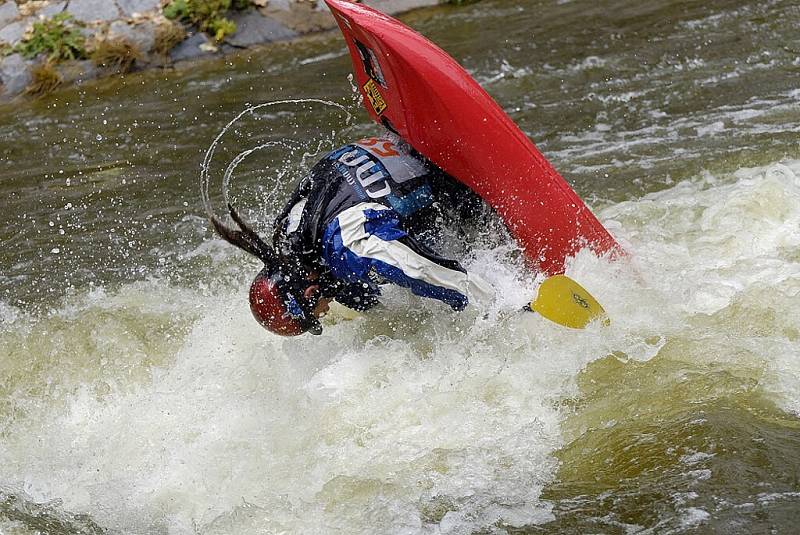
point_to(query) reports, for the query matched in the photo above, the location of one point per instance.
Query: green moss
(59, 37)
(208, 15)
(221, 27)
(177, 10)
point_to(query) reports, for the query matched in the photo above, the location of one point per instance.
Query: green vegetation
(177, 9)
(208, 15)
(59, 37)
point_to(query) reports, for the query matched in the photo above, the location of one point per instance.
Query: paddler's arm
(437, 277)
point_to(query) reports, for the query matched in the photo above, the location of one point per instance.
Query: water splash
(205, 175)
(411, 420)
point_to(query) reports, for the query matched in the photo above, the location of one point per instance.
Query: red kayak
(414, 88)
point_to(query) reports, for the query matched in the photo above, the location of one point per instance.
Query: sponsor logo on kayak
(580, 301)
(344, 21)
(371, 64)
(374, 96)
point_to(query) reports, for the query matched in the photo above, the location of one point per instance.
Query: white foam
(9, 314)
(694, 516)
(408, 420)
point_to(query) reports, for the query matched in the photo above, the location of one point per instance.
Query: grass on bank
(117, 55)
(208, 15)
(44, 79)
(58, 37)
(168, 36)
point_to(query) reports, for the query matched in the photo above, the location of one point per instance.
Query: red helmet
(277, 295)
(276, 308)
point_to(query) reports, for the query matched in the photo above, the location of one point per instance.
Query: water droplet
(99, 137)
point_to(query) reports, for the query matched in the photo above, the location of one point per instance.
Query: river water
(137, 395)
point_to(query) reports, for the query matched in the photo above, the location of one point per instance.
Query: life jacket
(382, 170)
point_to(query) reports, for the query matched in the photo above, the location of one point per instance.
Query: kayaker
(365, 215)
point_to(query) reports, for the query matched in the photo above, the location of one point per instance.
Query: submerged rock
(197, 45)
(77, 71)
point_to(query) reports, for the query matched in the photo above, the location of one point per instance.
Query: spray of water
(289, 144)
(184, 418)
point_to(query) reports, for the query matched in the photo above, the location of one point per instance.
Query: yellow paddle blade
(564, 301)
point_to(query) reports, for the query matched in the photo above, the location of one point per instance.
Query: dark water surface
(137, 394)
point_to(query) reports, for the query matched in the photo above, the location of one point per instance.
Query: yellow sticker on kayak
(374, 96)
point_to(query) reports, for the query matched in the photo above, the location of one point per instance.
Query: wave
(161, 408)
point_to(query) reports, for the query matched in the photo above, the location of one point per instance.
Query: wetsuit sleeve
(359, 295)
(367, 238)
(472, 286)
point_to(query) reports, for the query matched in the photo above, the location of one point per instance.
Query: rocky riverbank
(47, 43)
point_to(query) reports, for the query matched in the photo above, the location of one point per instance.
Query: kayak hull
(414, 88)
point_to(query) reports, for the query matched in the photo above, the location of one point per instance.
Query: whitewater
(138, 395)
(173, 412)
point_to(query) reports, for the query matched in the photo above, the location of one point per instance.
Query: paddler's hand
(323, 304)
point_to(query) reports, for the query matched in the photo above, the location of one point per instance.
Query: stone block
(392, 7)
(143, 35)
(283, 5)
(253, 28)
(301, 17)
(129, 7)
(93, 10)
(77, 71)
(51, 10)
(15, 74)
(12, 34)
(8, 13)
(190, 48)
(88, 33)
